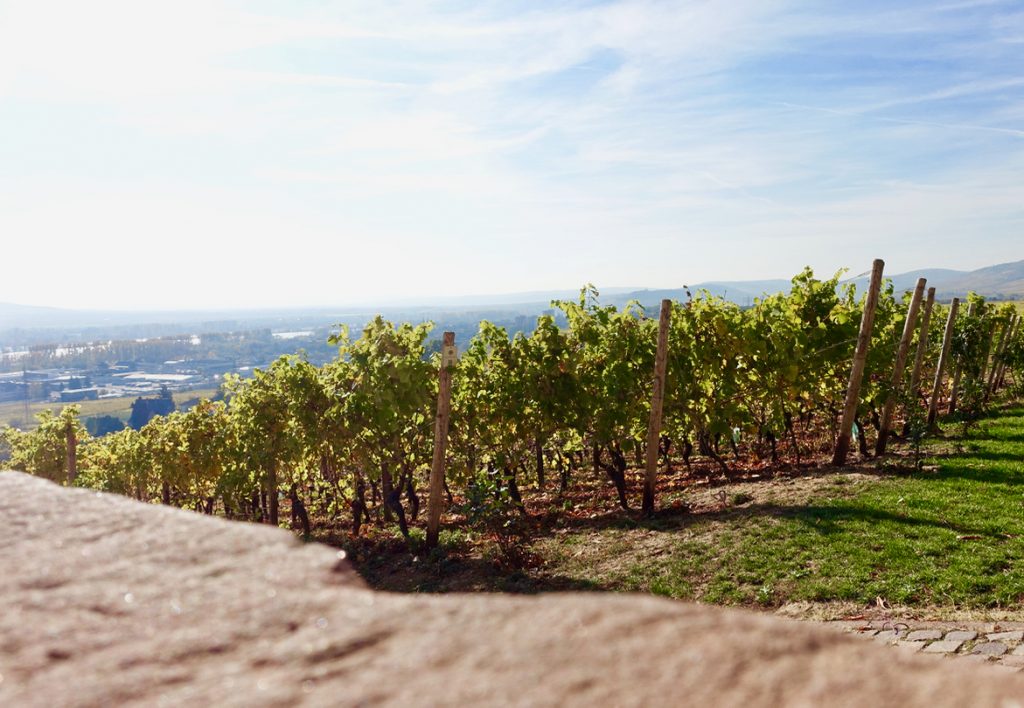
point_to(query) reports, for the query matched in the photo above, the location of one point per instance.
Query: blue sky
(213, 153)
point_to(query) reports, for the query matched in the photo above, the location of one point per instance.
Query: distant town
(120, 380)
(122, 373)
(94, 372)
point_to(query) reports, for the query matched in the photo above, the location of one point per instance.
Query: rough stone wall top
(108, 601)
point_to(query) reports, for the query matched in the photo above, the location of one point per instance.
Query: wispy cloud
(738, 139)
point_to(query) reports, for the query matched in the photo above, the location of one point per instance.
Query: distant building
(41, 375)
(212, 367)
(165, 379)
(71, 395)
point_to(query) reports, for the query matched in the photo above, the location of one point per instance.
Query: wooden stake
(859, 359)
(957, 373)
(897, 369)
(997, 363)
(947, 341)
(922, 341)
(657, 406)
(449, 356)
(275, 504)
(1014, 334)
(72, 453)
(989, 354)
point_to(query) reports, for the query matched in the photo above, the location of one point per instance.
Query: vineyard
(355, 442)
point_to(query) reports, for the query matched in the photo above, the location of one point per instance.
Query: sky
(285, 153)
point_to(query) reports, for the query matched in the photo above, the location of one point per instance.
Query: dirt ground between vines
(583, 541)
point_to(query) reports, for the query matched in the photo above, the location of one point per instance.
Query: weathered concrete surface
(106, 601)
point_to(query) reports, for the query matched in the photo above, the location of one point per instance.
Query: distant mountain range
(742, 292)
(1003, 281)
(999, 282)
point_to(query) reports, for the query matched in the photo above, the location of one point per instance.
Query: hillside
(13, 315)
(1001, 282)
(1004, 280)
(742, 292)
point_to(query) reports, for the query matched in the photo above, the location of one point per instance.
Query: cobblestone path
(999, 645)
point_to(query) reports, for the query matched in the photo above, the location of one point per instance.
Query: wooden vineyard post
(449, 355)
(1014, 330)
(922, 349)
(947, 341)
(898, 366)
(657, 406)
(272, 500)
(72, 453)
(989, 355)
(1000, 348)
(1014, 334)
(957, 373)
(922, 340)
(997, 358)
(859, 359)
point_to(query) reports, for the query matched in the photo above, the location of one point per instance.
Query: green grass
(951, 537)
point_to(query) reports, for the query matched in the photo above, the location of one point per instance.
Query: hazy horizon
(212, 155)
(480, 301)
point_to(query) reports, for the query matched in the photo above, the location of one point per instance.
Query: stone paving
(993, 645)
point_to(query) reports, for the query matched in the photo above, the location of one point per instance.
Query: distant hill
(1000, 282)
(532, 297)
(1005, 280)
(935, 276)
(31, 317)
(12, 315)
(742, 292)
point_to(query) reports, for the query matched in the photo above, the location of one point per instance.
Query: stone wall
(108, 601)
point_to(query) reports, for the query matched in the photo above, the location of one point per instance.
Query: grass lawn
(952, 536)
